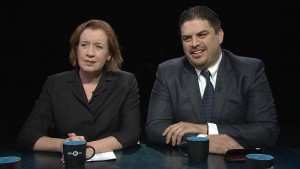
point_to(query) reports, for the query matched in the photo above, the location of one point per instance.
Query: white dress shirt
(212, 128)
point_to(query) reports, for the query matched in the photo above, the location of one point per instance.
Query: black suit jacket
(63, 108)
(243, 109)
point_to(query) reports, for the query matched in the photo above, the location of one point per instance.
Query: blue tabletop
(144, 156)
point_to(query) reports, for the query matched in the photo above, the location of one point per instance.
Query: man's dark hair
(203, 13)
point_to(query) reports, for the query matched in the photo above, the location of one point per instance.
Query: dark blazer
(244, 106)
(63, 108)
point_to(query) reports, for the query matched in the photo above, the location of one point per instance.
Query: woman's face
(92, 50)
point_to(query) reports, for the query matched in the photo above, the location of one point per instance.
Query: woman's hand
(74, 137)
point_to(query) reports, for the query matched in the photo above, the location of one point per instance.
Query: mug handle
(94, 152)
(180, 148)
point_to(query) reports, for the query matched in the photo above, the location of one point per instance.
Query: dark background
(35, 36)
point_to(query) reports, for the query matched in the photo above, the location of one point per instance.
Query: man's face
(201, 44)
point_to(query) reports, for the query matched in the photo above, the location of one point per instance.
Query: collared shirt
(213, 78)
(212, 128)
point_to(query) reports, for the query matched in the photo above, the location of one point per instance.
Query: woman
(96, 101)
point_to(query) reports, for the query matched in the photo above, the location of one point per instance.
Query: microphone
(94, 94)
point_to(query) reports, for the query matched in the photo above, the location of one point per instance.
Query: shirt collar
(213, 69)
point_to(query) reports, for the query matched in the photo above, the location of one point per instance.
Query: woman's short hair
(116, 59)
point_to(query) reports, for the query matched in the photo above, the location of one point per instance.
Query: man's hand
(175, 132)
(220, 143)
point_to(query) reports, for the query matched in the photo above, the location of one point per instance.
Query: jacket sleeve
(40, 120)
(128, 134)
(159, 111)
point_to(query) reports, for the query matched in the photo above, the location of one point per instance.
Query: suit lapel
(75, 86)
(190, 81)
(223, 80)
(102, 85)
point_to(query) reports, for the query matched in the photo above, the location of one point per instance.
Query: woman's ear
(108, 58)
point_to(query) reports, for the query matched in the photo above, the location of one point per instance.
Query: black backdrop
(35, 44)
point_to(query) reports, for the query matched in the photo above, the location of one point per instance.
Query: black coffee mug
(197, 149)
(10, 162)
(75, 153)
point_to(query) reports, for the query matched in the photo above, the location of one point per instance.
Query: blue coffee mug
(259, 161)
(10, 162)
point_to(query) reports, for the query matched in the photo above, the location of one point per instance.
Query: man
(242, 107)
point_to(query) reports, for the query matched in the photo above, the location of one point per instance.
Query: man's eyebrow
(198, 33)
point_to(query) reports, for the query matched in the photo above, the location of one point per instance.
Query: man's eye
(186, 39)
(202, 35)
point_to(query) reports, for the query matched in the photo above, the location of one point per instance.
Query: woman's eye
(83, 45)
(98, 47)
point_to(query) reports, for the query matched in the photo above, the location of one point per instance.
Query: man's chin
(196, 62)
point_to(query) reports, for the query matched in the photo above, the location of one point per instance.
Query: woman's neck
(90, 78)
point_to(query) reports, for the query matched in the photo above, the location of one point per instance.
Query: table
(147, 156)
